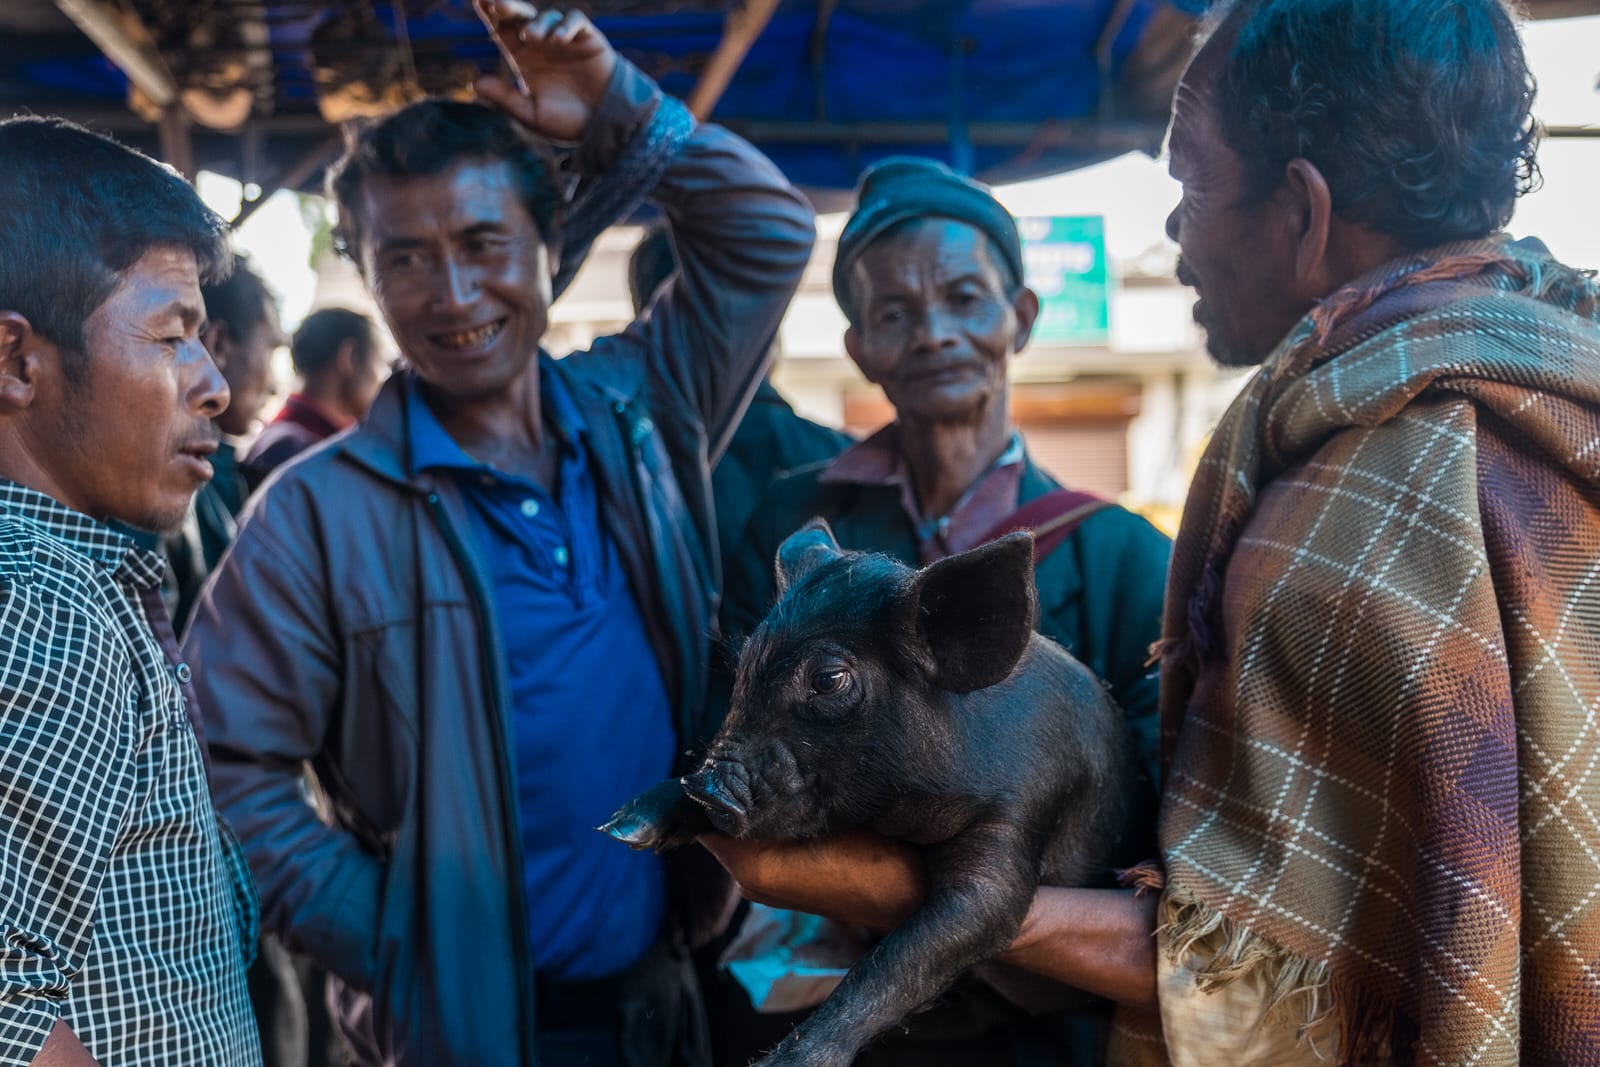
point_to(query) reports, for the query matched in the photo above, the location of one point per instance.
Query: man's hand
(857, 878)
(63, 1049)
(1099, 940)
(563, 67)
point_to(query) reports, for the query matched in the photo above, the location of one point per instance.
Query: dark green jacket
(770, 442)
(1100, 591)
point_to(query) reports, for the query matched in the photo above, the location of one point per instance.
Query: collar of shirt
(132, 555)
(432, 447)
(879, 461)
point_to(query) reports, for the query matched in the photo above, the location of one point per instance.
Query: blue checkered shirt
(126, 909)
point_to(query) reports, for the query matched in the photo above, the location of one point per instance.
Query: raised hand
(562, 63)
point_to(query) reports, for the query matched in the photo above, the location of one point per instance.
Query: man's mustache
(204, 439)
(1185, 275)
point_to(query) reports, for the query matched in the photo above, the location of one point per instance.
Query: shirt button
(530, 508)
(561, 555)
(183, 673)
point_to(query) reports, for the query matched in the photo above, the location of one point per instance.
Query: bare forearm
(63, 1049)
(1098, 940)
(857, 878)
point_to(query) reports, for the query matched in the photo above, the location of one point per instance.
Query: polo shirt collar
(432, 447)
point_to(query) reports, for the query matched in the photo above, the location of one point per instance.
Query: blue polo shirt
(593, 725)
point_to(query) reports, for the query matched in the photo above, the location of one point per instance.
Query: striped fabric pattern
(1381, 673)
(126, 907)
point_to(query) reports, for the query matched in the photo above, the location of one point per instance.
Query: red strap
(1051, 517)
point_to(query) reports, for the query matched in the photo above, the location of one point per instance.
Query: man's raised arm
(742, 233)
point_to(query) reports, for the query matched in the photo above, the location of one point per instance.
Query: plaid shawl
(1381, 666)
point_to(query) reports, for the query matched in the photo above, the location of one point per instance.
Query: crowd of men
(351, 696)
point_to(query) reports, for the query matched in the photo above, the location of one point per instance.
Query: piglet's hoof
(661, 818)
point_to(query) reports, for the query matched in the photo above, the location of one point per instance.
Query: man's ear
(19, 361)
(1310, 204)
(804, 551)
(218, 340)
(972, 615)
(1025, 305)
(344, 358)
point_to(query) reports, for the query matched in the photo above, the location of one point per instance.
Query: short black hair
(316, 343)
(650, 265)
(77, 209)
(1417, 114)
(242, 300)
(429, 137)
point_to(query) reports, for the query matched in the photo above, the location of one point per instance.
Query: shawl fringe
(1143, 878)
(1309, 989)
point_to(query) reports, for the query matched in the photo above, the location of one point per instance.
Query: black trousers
(649, 1016)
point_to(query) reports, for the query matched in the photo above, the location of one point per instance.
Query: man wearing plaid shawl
(1381, 656)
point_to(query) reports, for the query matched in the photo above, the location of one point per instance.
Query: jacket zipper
(518, 900)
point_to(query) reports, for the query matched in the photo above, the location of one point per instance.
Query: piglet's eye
(829, 681)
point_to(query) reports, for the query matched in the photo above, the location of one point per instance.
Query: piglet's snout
(723, 789)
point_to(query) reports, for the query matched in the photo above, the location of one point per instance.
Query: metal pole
(177, 146)
(739, 32)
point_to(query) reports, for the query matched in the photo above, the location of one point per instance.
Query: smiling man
(485, 616)
(929, 275)
(126, 907)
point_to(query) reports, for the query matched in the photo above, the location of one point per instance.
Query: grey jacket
(352, 630)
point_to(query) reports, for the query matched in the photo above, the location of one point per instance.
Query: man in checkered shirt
(126, 911)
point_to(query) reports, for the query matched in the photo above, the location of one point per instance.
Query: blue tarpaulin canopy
(1005, 89)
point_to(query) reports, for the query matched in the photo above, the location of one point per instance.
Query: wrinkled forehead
(1194, 126)
(465, 196)
(930, 248)
(164, 281)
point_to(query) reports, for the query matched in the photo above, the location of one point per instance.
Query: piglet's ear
(804, 551)
(973, 613)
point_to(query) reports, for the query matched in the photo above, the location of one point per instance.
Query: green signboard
(1064, 259)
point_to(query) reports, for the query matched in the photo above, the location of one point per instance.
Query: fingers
(507, 98)
(504, 18)
(518, 22)
(573, 25)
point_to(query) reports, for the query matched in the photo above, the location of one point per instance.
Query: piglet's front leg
(661, 818)
(982, 884)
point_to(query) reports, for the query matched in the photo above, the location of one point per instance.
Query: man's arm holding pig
(1098, 940)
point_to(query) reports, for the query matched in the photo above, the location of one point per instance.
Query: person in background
(483, 617)
(241, 334)
(341, 366)
(128, 913)
(770, 440)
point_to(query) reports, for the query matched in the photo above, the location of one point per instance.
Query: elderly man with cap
(929, 275)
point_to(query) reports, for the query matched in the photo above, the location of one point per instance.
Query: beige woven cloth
(1381, 672)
